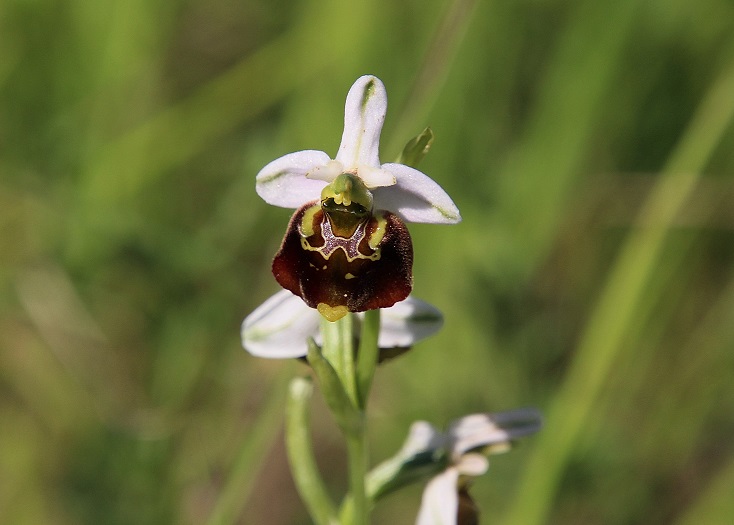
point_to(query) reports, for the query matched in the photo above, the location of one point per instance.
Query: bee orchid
(347, 248)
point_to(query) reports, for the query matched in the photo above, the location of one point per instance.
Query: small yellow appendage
(332, 313)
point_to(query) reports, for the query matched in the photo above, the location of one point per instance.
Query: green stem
(300, 454)
(368, 354)
(357, 456)
(339, 351)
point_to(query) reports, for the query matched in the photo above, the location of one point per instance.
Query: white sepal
(407, 322)
(483, 430)
(283, 182)
(416, 197)
(364, 115)
(280, 327)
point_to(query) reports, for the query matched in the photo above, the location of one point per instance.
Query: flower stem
(339, 351)
(368, 354)
(357, 457)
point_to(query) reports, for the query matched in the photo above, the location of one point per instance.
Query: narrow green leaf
(345, 414)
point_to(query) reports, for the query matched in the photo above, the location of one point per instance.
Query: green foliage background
(587, 144)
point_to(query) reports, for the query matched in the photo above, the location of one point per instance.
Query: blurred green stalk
(608, 325)
(243, 475)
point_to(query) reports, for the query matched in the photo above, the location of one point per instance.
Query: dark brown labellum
(345, 257)
(468, 512)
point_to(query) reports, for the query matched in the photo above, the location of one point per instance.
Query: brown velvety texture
(339, 271)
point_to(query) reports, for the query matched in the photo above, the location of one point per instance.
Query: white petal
(283, 181)
(440, 502)
(480, 430)
(364, 114)
(328, 172)
(375, 177)
(407, 322)
(416, 197)
(472, 465)
(279, 327)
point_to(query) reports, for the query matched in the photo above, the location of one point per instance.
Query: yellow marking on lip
(307, 221)
(379, 233)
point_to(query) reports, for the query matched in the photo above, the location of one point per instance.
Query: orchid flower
(465, 445)
(280, 327)
(347, 248)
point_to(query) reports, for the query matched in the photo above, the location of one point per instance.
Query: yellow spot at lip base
(332, 313)
(379, 233)
(307, 221)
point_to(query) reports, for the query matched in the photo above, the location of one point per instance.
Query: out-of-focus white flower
(465, 445)
(280, 327)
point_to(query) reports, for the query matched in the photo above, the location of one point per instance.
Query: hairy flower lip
(339, 263)
(297, 178)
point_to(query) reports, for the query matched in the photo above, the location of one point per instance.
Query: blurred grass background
(587, 144)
